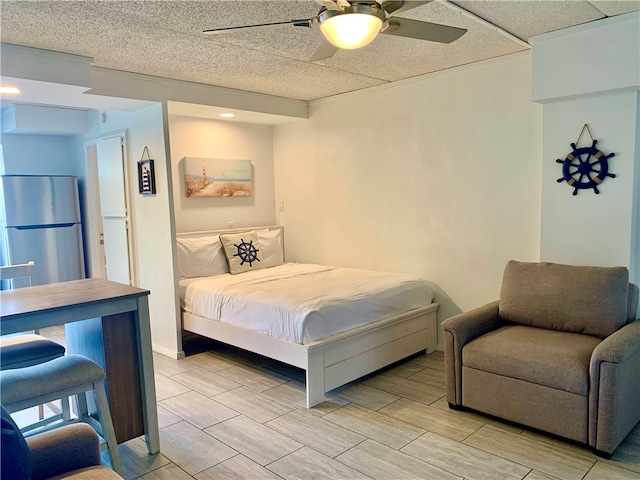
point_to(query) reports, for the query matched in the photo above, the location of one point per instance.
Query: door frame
(94, 247)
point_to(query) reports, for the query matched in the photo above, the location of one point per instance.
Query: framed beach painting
(216, 177)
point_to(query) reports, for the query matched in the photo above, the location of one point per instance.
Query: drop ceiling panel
(525, 19)
(394, 58)
(617, 7)
(163, 38)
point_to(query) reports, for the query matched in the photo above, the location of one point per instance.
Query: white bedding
(302, 303)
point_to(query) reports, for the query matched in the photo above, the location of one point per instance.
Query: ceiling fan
(352, 24)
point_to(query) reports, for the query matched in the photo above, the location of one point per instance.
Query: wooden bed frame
(336, 360)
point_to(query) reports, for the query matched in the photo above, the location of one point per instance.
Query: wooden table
(108, 322)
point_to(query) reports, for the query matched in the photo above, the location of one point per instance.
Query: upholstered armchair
(71, 451)
(559, 352)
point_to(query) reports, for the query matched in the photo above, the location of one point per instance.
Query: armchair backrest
(14, 452)
(632, 310)
(582, 299)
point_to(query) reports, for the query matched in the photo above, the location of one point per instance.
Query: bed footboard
(341, 358)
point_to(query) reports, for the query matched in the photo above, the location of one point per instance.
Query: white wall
(438, 176)
(38, 155)
(204, 138)
(602, 92)
(152, 224)
(589, 229)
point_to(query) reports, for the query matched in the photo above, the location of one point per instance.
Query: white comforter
(303, 303)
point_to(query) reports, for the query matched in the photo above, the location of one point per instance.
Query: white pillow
(243, 251)
(272, 250)
(201, 257)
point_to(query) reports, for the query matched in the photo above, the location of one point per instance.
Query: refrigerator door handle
(37, 227)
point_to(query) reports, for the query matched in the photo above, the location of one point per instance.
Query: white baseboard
(168, 353)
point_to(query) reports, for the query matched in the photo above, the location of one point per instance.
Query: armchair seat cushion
(551, 358)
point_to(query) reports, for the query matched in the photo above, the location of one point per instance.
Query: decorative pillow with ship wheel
(243, 252)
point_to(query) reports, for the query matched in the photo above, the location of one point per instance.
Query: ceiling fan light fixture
(351, 28)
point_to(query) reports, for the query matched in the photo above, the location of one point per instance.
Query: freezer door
(57, 253)
(39, 200)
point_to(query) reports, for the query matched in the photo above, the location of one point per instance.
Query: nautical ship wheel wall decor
(585, 167)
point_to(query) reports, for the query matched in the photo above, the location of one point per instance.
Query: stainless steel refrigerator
(40, 221)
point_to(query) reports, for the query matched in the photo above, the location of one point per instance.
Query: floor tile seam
(591, 468)
(426, 383)
(173, 396)
(383, 414)
(409, 398)
(304, 446)
(207, 368)
(205, 394)
(244, 454)
(622, 466)
(156, 468)
(210, 466)
(249, 415)
(420, 413)
(574, 449)
(289, 405)
(335, 457)
(175, 374)
(464, 442)
(283, 456)
(252, 384)
(474, 447)
(429, 368)
(266, 424)
(284, 403)
(261, 371)
(381, 391)
(404, 453)
(203, 428)
(590, 454)
(445, 469)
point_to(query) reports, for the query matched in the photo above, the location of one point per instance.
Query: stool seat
(59, 374)
(26, 350)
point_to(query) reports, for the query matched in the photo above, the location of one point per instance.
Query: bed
(338, 324)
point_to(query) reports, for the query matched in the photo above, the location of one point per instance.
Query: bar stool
(17, 351)
(58, 378)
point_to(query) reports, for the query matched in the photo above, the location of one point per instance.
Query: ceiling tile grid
(164, 38)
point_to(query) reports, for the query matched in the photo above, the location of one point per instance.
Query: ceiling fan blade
(324, 51)
(295, 23)
(395, 7)
(434, 32)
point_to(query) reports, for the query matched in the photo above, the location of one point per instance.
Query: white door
(113, 207)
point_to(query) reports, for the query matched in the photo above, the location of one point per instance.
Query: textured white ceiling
(163, 38)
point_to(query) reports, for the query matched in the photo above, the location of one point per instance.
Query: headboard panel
(204, 233)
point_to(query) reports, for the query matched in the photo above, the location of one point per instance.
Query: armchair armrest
(458, 331)
(64, 449)
(614, 397)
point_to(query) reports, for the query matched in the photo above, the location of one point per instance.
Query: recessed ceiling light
(9, 90)
(227, 115)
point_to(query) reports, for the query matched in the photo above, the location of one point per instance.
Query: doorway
(109, 235)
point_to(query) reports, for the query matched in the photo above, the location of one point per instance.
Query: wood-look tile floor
(228, 414)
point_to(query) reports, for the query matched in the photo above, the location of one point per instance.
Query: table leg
(147, 384)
